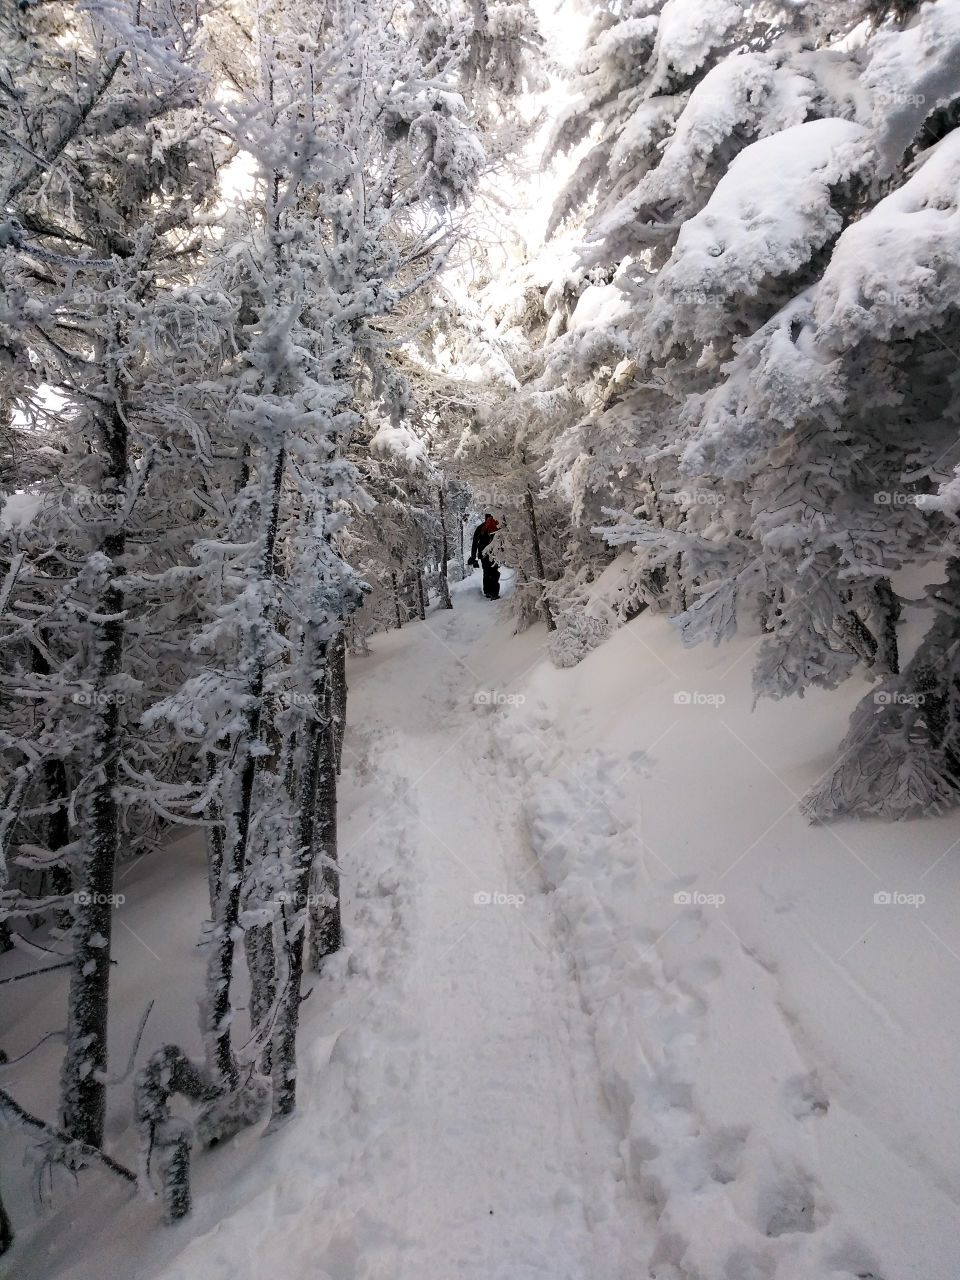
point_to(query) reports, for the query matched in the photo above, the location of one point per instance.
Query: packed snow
(591, 1020)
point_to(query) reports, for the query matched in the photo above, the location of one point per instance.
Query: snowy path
(504, 1158)
(690, 1053)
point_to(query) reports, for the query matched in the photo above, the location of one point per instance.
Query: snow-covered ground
(608, 1009)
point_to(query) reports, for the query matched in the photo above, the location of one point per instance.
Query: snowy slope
(532, 1059)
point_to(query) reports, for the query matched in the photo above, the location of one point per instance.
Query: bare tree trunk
(168, 1071)
(316, 808)
(262, 967)
(57, 797)
(326, 930)
(6, 1229)
(338, 680)
(396, 597)
(889, 610)
(421, 602)
(538, 559)
(681, 594)
(214, 840)
(83, 1089)
(217, 1006)
(445, 601)
(857, 636)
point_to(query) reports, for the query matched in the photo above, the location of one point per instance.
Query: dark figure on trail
(482, 537)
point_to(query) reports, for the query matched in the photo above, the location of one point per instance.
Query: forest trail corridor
(502, 1162)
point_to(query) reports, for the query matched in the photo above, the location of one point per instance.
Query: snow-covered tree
(110, 168)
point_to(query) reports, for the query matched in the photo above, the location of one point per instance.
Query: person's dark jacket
(482, 537)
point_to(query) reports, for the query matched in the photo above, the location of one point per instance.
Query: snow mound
(899, 267)
(770, 213)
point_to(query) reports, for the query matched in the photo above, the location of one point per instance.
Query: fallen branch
(71, 1147)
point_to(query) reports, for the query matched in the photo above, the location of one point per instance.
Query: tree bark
(6, 1229)
(319, 763)
(857, 636)
(217, 1006)
(85, 1063)
(445, 601)
(214, 840)
(538, 559)
(889, 610)
(326, 931)
(396, 597)
(421, 602)
(262, 967)
(338, 678)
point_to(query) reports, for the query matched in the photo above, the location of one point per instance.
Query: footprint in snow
(805, 1096)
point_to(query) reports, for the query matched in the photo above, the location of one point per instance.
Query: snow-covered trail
(450, 1123)
(503, 1163)
(698, 1049)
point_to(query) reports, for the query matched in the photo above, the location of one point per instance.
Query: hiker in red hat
(482, 538)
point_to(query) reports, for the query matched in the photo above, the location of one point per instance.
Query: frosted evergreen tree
(113, 163)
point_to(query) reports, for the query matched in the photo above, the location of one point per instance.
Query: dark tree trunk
(421, 601)
(319, 763)
(445, 601)
(396, 597)
(538, 559)
(168, 1072)
(326, 932)
(85, 1062)
(6, 1229)
(857, 636)
(888, 610)
(214, 840)
(262, 967)
(227, 916)
(58, 824)
(338, 679)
